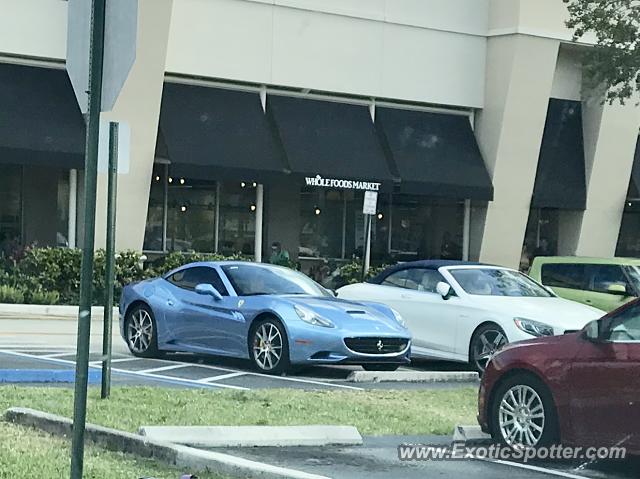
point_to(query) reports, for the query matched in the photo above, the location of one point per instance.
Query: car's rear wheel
(486, 341)
(269, 347)
(140, 331)
(523, 413)
(380, 367)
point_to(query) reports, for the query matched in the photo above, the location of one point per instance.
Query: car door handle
(169, 302)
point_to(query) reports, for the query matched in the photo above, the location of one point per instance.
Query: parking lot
(186, 370)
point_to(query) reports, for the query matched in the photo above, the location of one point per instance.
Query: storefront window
(628, 240)
(237, 218)
(322, 214)
(10, 207)
(62, 216)
(426, 228)
(541, 237)
(201, 215)
(191, 215)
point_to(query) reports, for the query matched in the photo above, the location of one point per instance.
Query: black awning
(435, 154)
(560, 178)
(330, 139)
(40, 122)
(218, 134)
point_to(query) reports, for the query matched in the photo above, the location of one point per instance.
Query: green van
(603, 283)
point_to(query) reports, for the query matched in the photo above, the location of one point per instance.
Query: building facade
(260, 121)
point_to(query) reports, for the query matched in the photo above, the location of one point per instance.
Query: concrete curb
(254, 436)
(45, 376)
(48, 311)
(194, 460)
(471, 435)
(412, 376)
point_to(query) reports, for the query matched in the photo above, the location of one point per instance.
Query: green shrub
(9, 294)
(351, 273)
(42, 297)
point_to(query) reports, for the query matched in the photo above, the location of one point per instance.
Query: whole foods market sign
(341, 184)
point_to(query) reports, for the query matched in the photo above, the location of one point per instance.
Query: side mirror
(209, 290)
(444, 290)
(592, 331)
(617, 289)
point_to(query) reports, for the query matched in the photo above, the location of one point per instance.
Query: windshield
(251, 280)
(633, 272)
(498, 282)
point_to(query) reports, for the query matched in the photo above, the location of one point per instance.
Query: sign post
(369, 207)
(101, 49)
(110, 253)
(86, 273)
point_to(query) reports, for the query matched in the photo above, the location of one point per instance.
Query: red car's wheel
(523, 413)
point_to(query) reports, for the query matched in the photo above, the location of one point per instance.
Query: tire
(140, 332)
(485, 341)
(380, 367)
(533, 426)
(269, 347)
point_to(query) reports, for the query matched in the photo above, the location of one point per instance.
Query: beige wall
(520, 71)
(611, 133)
(139, 106)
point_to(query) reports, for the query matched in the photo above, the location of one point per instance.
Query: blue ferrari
(274, 316)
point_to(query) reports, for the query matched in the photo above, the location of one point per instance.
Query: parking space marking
(127, 372)
(221, 377)
(57, 355)
(163, 368)
(531, 467)
(170, 365)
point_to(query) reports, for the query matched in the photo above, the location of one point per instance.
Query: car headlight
(534, 328)
(399, 318)
(310, 317)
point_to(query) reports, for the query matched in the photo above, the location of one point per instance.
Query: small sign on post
(370, 204)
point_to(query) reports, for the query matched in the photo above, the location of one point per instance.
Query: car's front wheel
(269, 347)
(523, 413)
(140, 330)
(380, 367)
(486, 341)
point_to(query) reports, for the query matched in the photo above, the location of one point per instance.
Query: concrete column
(139, 106)
(610, 136)
(520, 71)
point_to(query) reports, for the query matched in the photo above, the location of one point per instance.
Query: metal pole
(112, 194)
(466, 229)
(73, 207)
(86, 274)
(366, 256)
(259, 219)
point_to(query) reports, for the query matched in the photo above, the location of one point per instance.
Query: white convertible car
(460, 311)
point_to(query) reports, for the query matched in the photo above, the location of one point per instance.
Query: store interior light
(380, 216)
(183, 208)
(182, 181)
(157, 178)
(243, 184)
(170, 180)
(253, 207)
(630, 204)
(317, 211)
(255, 184)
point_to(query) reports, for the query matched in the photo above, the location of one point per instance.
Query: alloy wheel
(140, 331)
(486, 345)
(267, 346)
(521, 416)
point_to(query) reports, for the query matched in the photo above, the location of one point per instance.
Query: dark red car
(580, 389)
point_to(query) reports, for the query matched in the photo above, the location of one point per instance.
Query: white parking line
(163, 368)
(57, 355)
(125, 371)
(221, 377)
(530, 467)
